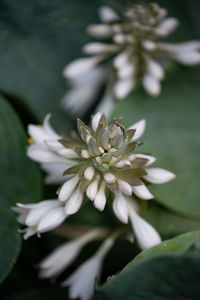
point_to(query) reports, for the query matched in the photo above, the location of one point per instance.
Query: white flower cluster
(132, 51)
(101, 159)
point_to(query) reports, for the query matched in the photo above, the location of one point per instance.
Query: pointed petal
(74, 203)
(95, 121)
(155, 69)
(68, 153)
(120, 208)
(151, 158)
(107, 14)
(123, 87)
(80, 66)
(142, 192)
(158, 175)
(68, 188)
(52, 220)
(42, 155)
(125, 187)
(166, 27)
(151, 85)
(100, 199)
(139, 127)
(100, 30)
(92, 188)
(99, 48)
(146, 235)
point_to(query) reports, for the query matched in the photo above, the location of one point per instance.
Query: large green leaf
(163, 277)
(167, 271)
(177, 245)
(20, 181)
(172, 135)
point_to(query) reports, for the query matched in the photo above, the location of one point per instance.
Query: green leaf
(167, 271)
(177, 246)
(172, 135)
(20, 181)
(38, 39)
(163, 277)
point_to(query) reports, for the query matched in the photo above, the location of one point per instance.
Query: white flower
(83, 91)
(145, 234)
(45, 149)
(139, 27)
(81, 282)
(102, 159)
(55, 263)
(40, 217)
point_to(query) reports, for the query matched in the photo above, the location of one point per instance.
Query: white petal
(146, 235)
(80, 66)
(95, 121)
(48, 128)
(49, 203)
(100, 30)
(53, 145)
(142, 192)
(80, 285)
(68, 153)
(85, 153)
(83, 91)
(151, 85)
(187, 58)
(42, 155)
(151, 159)
(98, 48)
(89, 173)
(63, 256)
(92, 188)
(74, 202)
(28, 233)
(125, 187)
(100, 199)
(54, 173)
(155, 69)
(166, 27)
(109, 178)
(158, 175)
(139, 127)
(149, 45)
(68, 188)
(107, 14)
(126, 72)
(120, 60)
(37, 133)
(35, 215)
(123, 87)
(120, 208)
(52, 220)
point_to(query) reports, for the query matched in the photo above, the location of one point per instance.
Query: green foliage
(19, 182)
(167, 271)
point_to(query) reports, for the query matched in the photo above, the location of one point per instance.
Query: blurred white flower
(55, 263)
(130, 53)
(40, 217)
(81, 282)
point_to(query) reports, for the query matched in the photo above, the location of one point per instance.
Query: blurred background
(37, 39)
